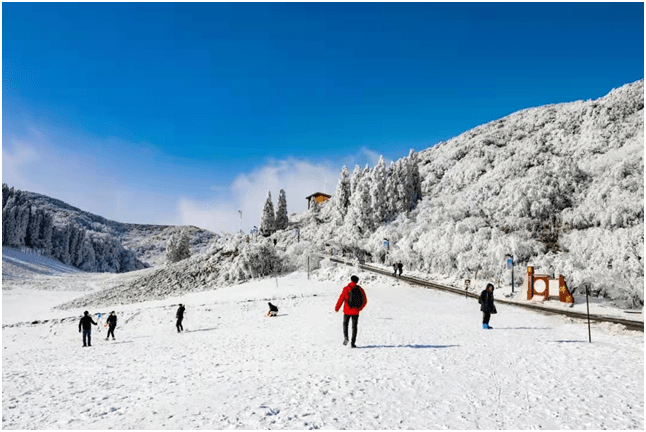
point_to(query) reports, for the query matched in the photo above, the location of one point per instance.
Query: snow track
(423, 362)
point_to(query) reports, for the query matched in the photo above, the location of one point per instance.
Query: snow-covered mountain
(559, 187)
(85, 240)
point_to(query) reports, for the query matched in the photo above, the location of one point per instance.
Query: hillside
(84, 240)
(560, 187)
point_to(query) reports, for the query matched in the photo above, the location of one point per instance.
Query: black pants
(346, 321)
(485, 317)
(179, 324)
(111, 331)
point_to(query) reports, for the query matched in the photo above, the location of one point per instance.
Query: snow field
(422, 362)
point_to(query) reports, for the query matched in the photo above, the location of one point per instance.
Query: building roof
(318, 194)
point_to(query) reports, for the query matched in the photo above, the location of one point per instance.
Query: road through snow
(423, 362)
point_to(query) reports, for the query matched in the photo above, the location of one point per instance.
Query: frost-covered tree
(342, 194)
(390, 193)
(416, 181)
(281, 213)
(315, 208)
(267, 217)
(354, 180)
(378, 199)
(178, 247)
(358, 221)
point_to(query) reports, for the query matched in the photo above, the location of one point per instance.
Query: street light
(240, 226)
(298, 233)
(387, 247)
(510, 263)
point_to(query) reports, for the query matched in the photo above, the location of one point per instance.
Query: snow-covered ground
(423, 362)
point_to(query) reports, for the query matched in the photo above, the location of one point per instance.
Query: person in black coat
(112, 324)
(400, 268)
(86, 322)
(273, 310)
(180, 316)
(486, 305)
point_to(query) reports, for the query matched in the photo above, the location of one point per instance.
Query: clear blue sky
(179, 99)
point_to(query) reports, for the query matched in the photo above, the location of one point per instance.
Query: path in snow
(423, 362)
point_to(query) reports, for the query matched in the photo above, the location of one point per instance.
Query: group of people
(398, 267)
(86, 323)
(353, 299)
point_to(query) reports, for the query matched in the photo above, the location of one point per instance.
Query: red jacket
(343, 298)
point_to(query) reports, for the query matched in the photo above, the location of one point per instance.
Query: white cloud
(86, 181)
(16, 160)
(248, 193)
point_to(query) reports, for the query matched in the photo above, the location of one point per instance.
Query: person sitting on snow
(273, 310)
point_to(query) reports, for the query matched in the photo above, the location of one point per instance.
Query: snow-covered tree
(354, 180)
(315, 208)
(267, 217)
(177, 247)
(416, 181)
(390, 193)
(377, 193)
(281, 213)
(358, 220)
(342, 194)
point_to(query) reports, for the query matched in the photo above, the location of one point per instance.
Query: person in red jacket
(355, 300)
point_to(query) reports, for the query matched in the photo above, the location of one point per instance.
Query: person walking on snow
(486, 305)
(86, 322)
(395, 267)
(400, 267)
(112, 324)
(355, 300)
(180, 316)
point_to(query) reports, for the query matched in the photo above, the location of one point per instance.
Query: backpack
(355, 298)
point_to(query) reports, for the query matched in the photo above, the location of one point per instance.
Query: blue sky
(185, 113)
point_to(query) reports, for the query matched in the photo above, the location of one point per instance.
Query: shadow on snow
(408, 346)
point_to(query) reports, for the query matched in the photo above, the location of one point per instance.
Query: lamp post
(298, 233)
(510, 263)
(387, 247)
(240, 226)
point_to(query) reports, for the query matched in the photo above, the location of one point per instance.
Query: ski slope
(423, 362)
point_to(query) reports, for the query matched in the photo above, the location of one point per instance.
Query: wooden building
(319, 197)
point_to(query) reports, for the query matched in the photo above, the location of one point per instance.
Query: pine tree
(281, 213)
(46, 232)
(358, 221)
(342, 194)
(402, 186)
(268, 218)
(416, 186)
(391, 193)
(315, 209)
(377, 193)
(171, 249)
(183, 247)
(354, 181)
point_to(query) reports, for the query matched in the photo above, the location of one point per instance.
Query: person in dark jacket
(486, 305)
(86, 322)
(180, 316)
(351, 312)
(112, 324)
(273, 310)
(395, 267)
(400, 267)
